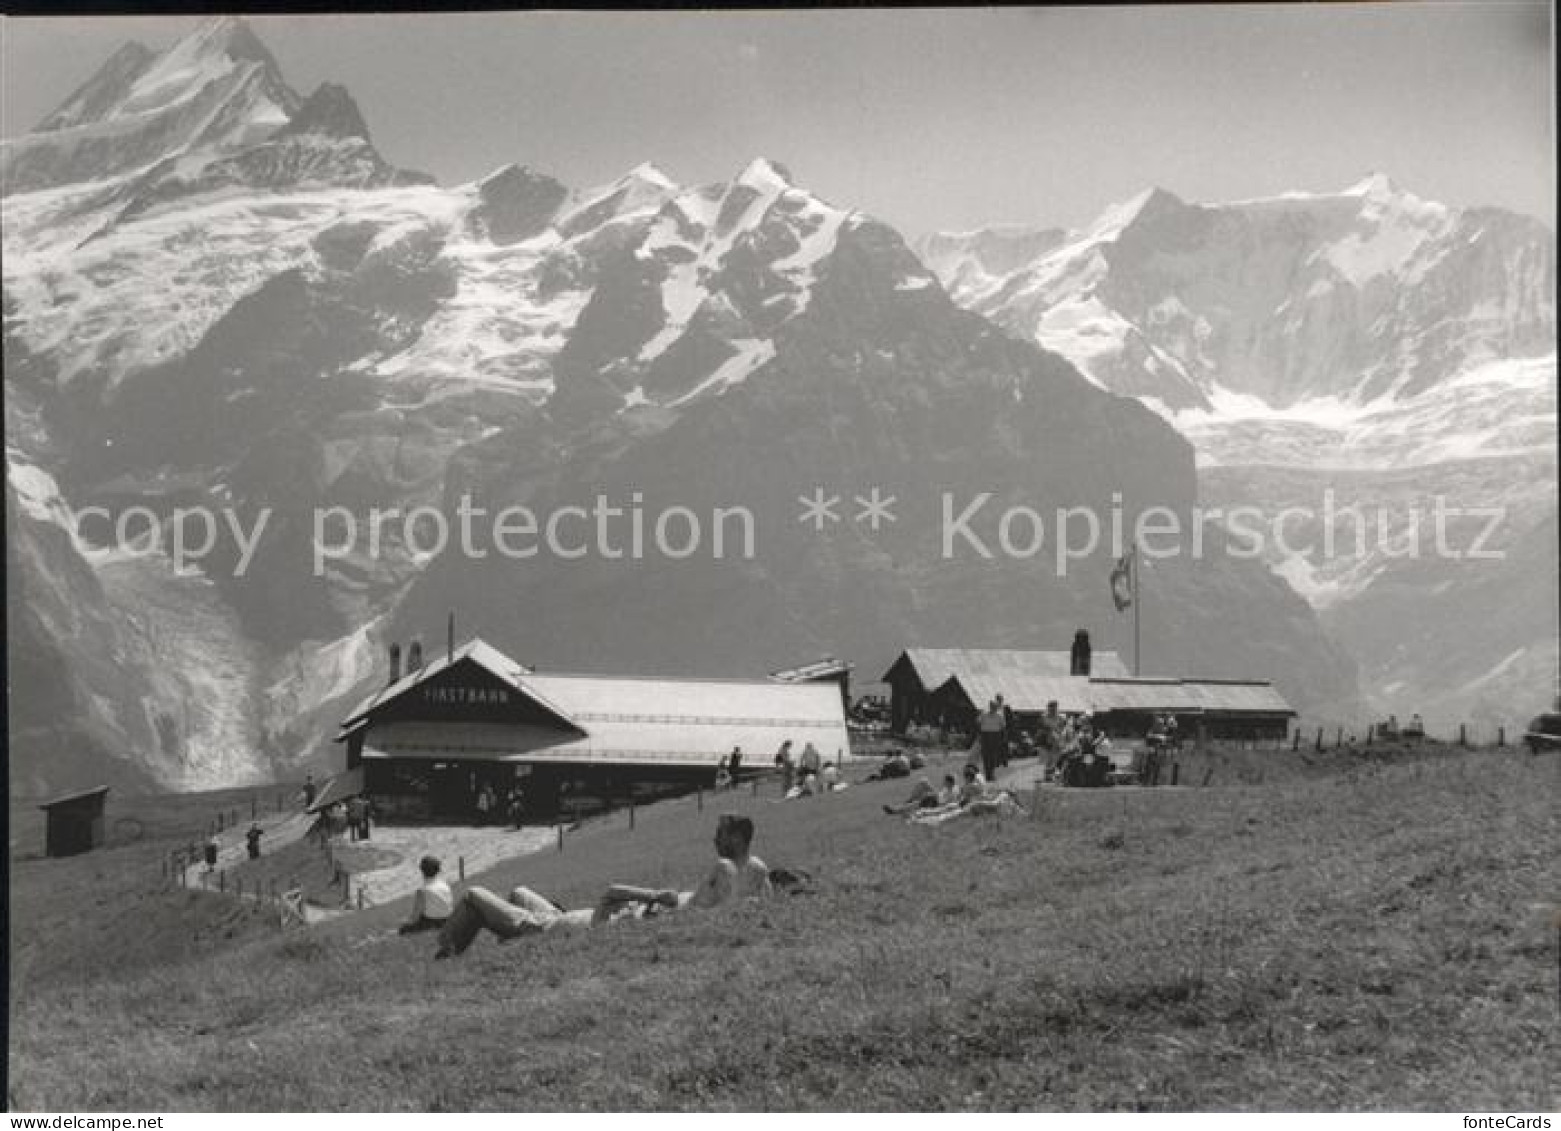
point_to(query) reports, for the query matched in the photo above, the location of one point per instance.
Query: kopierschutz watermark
(970, 527)
(973, 526)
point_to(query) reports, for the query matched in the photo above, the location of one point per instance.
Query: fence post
(222, 881)
(1371, 729)
(1463, 734)
(1296, 745)
(460, 868)
(360, 897)
(1176, 771)
(1319, 740)
(1501, 736)
(631, 813)
(700, 796)
(560, 836)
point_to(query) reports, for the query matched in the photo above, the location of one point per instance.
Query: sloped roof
(630, 720)
(1239, 695)
(1188, 695)
(81, 797)
(827, 668)
(935, 665)
(587, 699)
(479, 651)
(1142, 695)
(1027, 679)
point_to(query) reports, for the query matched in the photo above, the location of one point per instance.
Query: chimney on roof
(395, 661)
(415, 655)
(1081, 651)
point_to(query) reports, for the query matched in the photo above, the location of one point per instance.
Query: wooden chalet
(949, 687)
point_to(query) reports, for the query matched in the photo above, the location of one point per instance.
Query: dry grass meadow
(1364, 931)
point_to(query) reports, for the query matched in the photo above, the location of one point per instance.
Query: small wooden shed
(74, 822)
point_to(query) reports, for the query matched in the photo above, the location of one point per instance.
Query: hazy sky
(931, 120)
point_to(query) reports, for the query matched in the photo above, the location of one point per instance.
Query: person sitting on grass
(975, 799)
(736, 874)
(433, 902)
(923, 796)
(895, 765)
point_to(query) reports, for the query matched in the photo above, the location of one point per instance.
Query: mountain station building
(426, 744)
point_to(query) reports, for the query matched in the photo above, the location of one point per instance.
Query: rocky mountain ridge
(241, 328)
(1361, 352)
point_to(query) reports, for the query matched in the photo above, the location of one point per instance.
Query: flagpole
(1138, 604)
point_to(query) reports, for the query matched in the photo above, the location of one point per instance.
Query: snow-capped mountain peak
(329, 111)
(1357, 296)
(102, 93)
(218, 88)
(1373, 184)
(213, 50)
(765, 176)
(1146, 206)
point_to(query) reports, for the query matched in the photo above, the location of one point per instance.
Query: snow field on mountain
(148, 290)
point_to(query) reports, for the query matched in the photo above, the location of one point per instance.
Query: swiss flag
(1123, 584)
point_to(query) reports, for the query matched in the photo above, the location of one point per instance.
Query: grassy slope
(1381, 936)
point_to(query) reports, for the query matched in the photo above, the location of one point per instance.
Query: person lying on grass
(976, 798)
(923, 796)
(736, 874)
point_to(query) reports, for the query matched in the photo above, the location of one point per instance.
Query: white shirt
(433, 900)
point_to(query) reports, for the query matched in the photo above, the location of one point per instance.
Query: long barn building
(428, 743)
(949, 687)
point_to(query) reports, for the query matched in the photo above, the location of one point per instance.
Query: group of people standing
(805, 774)
(491, 808)
(355, 816)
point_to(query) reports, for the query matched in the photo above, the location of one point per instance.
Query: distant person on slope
(786, 761)
(736, 874)
(812, 762)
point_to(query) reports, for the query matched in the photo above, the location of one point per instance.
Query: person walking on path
(252, 841)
